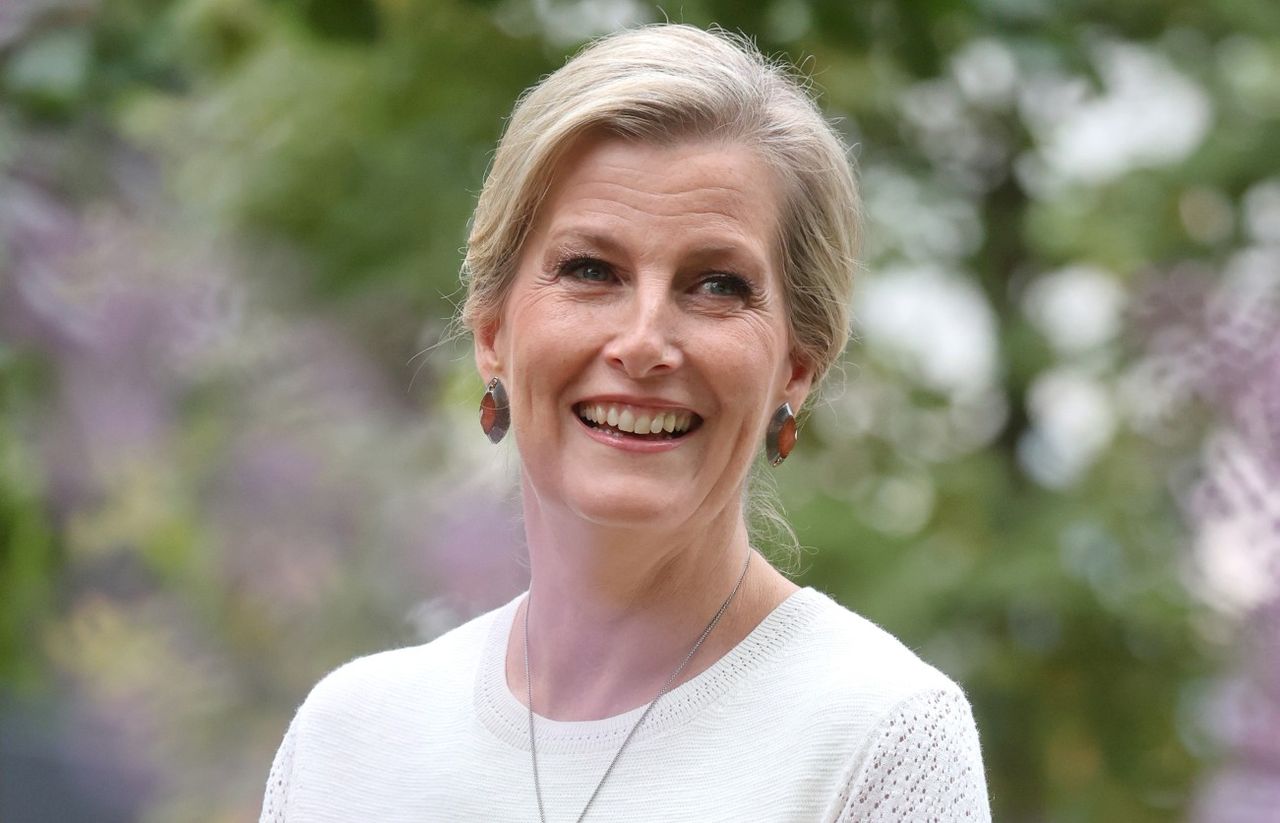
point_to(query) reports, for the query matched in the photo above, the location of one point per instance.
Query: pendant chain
(533, 749)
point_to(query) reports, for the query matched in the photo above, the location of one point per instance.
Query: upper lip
(631, 400)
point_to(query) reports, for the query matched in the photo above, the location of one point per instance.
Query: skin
(650, 273)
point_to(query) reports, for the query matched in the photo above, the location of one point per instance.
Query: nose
(644, 343)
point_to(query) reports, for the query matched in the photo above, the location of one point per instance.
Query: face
(644, 342)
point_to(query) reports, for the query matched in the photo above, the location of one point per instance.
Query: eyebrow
(587, 239)
(573, 236)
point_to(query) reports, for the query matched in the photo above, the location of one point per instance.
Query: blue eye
(725, 285)
(588, 270)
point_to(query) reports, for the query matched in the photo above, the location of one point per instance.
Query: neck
(613, 611)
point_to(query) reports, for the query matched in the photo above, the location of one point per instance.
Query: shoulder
(372, 711)
(835, 679)
(846, 658)
(376, 688)
(912, 742)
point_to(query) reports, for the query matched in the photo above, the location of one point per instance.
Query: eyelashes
(715, 284)
(585, 268)
(727, 285)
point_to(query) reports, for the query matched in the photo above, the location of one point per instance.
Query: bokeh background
(237, 447)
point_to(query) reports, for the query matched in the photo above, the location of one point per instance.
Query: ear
(799, 380)
(488, 339)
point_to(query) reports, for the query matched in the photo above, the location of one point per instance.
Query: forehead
(696, 190)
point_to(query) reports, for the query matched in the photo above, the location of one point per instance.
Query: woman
(658, 274)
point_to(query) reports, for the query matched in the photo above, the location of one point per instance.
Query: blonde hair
(666, 83)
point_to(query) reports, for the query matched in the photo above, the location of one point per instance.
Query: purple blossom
(1219, 341)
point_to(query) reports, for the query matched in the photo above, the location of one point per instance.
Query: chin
(629, 504)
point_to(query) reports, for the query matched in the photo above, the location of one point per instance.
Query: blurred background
(235, 452)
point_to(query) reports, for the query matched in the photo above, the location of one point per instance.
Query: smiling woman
(648, 285)
(658, 274)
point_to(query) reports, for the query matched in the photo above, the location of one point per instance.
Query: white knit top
(817, 715)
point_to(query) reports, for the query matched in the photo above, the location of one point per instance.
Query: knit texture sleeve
(924, 765)
(275, 801)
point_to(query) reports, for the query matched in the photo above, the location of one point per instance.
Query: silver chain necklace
(528, 685)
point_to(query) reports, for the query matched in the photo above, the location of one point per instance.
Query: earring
(781, 435)
(495, 411)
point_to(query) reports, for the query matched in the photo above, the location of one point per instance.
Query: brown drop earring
(781, 435)
(495, 411)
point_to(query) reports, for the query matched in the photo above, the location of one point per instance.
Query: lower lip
(631, 444)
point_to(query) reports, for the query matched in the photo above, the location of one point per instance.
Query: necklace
(533, 748)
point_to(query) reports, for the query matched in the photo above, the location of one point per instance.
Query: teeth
(637, 421)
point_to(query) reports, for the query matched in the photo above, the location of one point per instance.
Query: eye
(587, 269)
(726, 285)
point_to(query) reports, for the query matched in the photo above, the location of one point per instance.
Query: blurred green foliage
(28, 554)
(336, 147)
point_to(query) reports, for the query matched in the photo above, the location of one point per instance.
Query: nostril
(644, 346)
(638, 361)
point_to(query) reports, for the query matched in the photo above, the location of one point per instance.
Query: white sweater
(817, 715)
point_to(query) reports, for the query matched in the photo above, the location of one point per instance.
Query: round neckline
(507, 718)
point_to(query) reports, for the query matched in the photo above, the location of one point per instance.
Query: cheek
(548, 343)
(534, 321)
(744, 360)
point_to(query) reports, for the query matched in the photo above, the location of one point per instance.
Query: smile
(622, 419)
